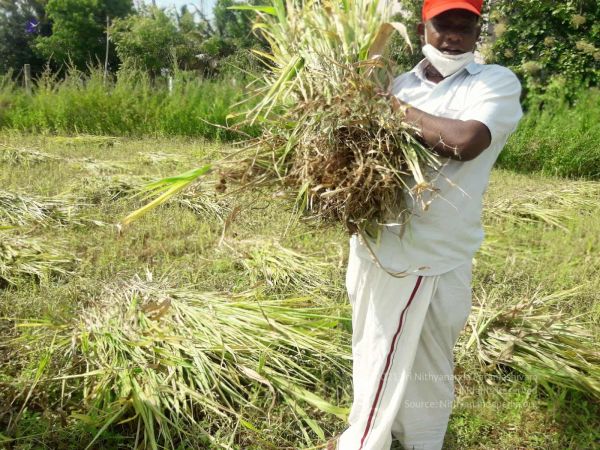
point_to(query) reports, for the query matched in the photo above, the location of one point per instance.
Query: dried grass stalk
(20, 209)
(204, 201)
(553, 206)
(534, 337)
(24, 156)
(282, 269)
(29, 257)
(110, 188)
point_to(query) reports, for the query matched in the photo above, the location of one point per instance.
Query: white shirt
(448, 233)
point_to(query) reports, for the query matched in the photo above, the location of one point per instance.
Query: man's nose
(454, 37)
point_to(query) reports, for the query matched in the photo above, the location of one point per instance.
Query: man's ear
(421, 32)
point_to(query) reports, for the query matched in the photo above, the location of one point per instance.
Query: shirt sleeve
(496, 102)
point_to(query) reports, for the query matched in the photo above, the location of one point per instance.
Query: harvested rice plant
(328, 126)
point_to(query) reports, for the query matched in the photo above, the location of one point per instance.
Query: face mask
(446, 64)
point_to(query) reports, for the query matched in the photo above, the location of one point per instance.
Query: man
(404, 328)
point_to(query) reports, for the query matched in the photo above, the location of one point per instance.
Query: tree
(548, 44)
(21, 21)
(195, 29)
(79, 30)
(400, 51)
(233, 29)
(152, 40)
(147, 40)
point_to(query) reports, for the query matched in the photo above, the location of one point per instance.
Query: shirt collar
(473, 69)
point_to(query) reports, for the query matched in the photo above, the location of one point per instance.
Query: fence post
(27, 77)
(107, 49)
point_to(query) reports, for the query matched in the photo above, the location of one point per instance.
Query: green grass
(130, 105)
(560, 140)
(187, 248)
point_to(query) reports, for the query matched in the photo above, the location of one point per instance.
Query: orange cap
(432, 8)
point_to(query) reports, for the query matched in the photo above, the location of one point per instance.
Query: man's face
(452, 32)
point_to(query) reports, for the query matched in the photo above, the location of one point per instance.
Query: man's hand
(395, 102)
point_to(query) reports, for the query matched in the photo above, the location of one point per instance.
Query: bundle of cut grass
(98, 167)
(28, 257)
(24, 156)
(281, 268)
(87, 140)
(19, 209)
(552, 206)
(204, 202)
(539, 340)
(159, 157)
(330, 136)
(110, 188)
(163, 360)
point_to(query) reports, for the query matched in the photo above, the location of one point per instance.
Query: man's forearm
(452, 138)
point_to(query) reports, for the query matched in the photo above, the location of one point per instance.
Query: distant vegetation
(84, 33)
(558, 139)
(130, 105)
(547, 43)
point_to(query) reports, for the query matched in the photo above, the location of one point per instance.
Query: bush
(540, 40)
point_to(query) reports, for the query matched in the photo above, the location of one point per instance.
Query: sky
(206, 5)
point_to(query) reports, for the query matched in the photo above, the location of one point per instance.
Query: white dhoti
(404, 331)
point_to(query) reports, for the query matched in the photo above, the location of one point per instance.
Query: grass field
(548, 251)
(554, 138)
(130, 105)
